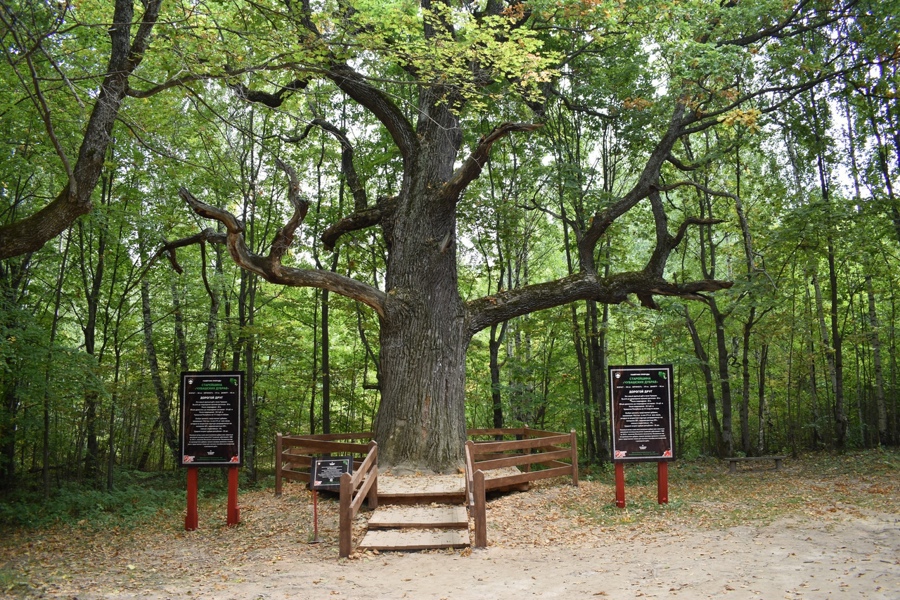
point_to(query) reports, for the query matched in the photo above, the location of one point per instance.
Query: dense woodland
(778, 293)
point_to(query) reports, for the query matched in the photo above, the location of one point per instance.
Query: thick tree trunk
(424, 335)
(421, 419)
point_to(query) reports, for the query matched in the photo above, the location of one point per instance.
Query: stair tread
(414, 539)
(418, 516)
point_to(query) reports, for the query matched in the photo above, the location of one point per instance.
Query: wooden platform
(421, 489)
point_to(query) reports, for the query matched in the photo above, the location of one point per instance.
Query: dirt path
(856, 558)
(832, 552)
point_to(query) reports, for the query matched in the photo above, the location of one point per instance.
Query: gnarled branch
(490, 310)
(369, 217)
(473, 165)
(270, 267)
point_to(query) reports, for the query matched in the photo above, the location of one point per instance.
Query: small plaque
(325, 473)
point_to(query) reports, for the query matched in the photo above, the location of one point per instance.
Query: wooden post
(620, 485)
(526, 435)
(480, 511)
(278, 465)
(573, 441)
(372, 498)
(234, 513)
(662, 482)
(191, 519)
(346, 517)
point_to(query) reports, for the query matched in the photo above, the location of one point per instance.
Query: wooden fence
(294, 453)
(293, 460)
(551, 454)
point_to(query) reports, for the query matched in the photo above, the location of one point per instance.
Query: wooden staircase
(418, 513)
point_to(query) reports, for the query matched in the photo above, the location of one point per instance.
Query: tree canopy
(457, 167)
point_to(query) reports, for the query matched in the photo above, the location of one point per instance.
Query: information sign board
(211, 418)
(325, 473)
(642, 412)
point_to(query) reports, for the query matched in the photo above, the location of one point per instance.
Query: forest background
(791, 196)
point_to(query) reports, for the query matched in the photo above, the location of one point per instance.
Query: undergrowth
(137, 498)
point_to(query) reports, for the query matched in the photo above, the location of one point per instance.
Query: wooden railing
(362, 485)
(294, 453)
(553, 455)
(534, 454)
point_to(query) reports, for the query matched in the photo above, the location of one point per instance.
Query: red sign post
(211, 433)
(642, 413)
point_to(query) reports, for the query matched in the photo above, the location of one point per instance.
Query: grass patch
(702, 493)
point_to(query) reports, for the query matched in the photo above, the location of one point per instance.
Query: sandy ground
(852, 559)
(844, 554)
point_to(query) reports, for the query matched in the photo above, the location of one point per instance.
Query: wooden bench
(733, 461)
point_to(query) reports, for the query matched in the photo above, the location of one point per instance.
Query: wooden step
(420, 517)
(414, 539)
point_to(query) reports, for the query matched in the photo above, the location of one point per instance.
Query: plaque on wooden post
(211, 415)
(211, 433)
(642, 411)
(325, 473)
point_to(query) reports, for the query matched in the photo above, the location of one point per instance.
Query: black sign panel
(325, 473)
(211, 425)
(642, 412)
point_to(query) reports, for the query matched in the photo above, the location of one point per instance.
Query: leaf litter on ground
(702, 495)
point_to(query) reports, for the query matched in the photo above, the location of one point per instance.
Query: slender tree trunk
(836, 350)
(817, 437)
(826, 344)
(57, 301)
(92, 281)
(586, 393)
(762, 406)
(163, 401)
(148, 447)
(709, 385)
(314, 389)
(247, 319)
(601, 422)
(875, 342)
(494, 345)
(214, 303)
(745, 384)
(724, 379)
(181, 352)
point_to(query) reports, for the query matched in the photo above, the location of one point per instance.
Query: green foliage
(140, 498)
